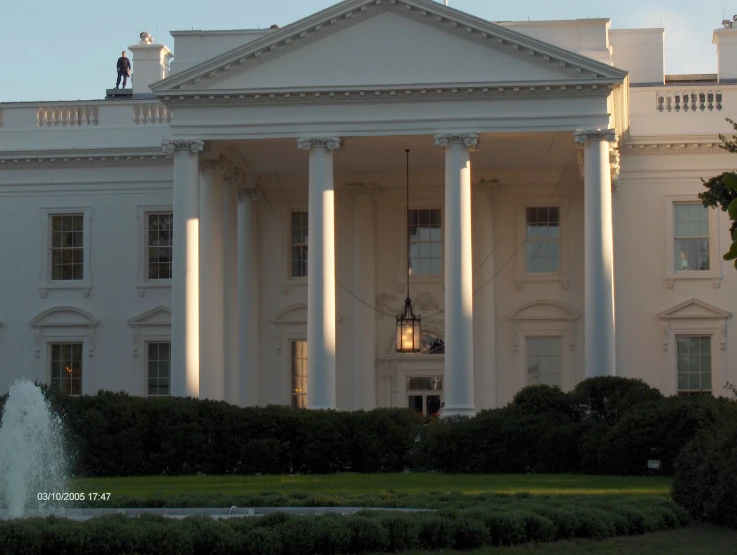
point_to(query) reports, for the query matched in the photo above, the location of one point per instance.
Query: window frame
(147, 342)
(49, 373)
(714, 272)
(423, 392)
(152, 326)
(403, 231)
(679, 335)
(560, 336)
(287, 278)
(522, 277)
(143, 283)
(292, 394)
(46, 215)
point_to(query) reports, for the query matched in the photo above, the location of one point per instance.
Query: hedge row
(280, 534)
(605, 425)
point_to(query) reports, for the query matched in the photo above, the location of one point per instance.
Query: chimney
(726, 42)
(150, 63)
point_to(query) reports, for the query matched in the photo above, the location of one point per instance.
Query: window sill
(716, 279)
(80, 285)
(160, 284)
(292, 282)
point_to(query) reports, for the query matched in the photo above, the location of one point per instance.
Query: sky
(51, 50)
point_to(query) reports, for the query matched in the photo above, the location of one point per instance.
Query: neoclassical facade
(243, 225)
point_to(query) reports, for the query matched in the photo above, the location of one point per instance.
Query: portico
(253, 128)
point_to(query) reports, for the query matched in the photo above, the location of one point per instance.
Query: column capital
(250, 193)
(170, 146)
(307, 143)
(583, 136)
(471, 140)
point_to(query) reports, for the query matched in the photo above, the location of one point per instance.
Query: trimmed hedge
(606, 425)
(705, 482)
(373, 531)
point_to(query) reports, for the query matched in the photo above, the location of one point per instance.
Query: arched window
(432, 344)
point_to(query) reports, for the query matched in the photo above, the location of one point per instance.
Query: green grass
(362, 484)
(697, 539)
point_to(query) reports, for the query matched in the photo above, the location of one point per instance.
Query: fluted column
(484, 301)
(248, 297)
(598, 253)
(185, 323)
(230, 288)
(321, 273)
(212, 344)
(458, 384)
(364, 287)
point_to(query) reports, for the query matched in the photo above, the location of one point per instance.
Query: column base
(448, 411)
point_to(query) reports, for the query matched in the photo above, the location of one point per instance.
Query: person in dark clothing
(124, 70)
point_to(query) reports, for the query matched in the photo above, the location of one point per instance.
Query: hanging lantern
(409, 336)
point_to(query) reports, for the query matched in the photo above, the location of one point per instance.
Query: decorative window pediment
(545, 310)
(158, 316)
(694, 309)
(295, 314)
(64, 316)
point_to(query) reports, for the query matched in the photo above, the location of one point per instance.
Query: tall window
(158, 363)
(299, 374)
(693, 354)
(67, 247)
(159, 232)
(542, 248)
(66, 367)
(299, 244)
(425, 242)
(544, 361)
(425, 394)
(691, 237)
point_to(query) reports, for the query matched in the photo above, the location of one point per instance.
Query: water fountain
(32, 460)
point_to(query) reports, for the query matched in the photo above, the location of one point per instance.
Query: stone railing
(151, 113)
(689, 101)
(67, 116)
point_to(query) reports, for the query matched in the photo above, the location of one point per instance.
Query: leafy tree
(721, 191)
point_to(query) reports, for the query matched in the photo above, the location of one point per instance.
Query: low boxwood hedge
(530, 519)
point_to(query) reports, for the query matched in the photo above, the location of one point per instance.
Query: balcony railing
(151, 114)
(689, 101)
(67, 116)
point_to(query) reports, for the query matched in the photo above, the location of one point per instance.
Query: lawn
(361, 484)
(698, 539)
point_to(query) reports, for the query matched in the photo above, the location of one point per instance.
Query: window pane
(424, 234)
(415, 403)
(433, 404)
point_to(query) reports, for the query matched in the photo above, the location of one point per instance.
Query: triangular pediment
(295, 314)
(158, 316)
(387, 43)
(694, 309)
(63, 316)
(545, 310)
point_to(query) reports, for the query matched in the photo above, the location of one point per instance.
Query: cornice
(656, 146)
(389, 95)
(83, 158)
(345, 14)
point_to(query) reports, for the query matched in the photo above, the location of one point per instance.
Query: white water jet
(32, 460)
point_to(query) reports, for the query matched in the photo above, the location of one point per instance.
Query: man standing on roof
(124, 70)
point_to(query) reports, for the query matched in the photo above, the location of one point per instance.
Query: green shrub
(705, 481)
(608, 398)
(402, 530)
(469, 533)
(263, 541)
(543, 399)
(435, 532)
(367, 535)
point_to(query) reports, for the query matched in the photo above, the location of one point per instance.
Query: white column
(598, 253)
(364, 287)
(185, 319)
(458, 383)
(212, 360)
(321, 273)
(248, 297)
(484, 307)
(230, 288)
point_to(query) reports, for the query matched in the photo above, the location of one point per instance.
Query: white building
(549, 161)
